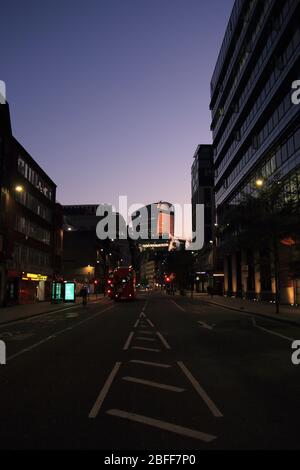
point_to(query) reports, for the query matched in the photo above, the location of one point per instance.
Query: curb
(9, 322)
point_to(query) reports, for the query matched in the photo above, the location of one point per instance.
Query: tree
(144, 281)
(262, 219)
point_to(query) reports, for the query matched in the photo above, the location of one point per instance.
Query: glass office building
(255, 125)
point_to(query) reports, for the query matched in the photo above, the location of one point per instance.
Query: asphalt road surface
(157, 373)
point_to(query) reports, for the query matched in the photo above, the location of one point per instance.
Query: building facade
(31, 225)
(5, 141)
(255, 125)
(155, 226)
(203, 188)
(206, 266)
(86, 258)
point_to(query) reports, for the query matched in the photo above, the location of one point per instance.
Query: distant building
(203, 188)
(156, 227)
(31, 224)
(86, 258)
(155, 224)
(206, 261)
(148, 273)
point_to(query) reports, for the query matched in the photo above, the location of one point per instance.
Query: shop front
(27, 288)
(34, 287)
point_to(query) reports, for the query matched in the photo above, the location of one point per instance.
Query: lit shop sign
(34, 277)
(155, 245)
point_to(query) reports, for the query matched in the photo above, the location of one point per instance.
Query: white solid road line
(29, 348)
(150, 383)
(142, 315)
(174, 428)
(178, 306)
(35, 345)
(101, 397)
(150, 322)
(136, 323)
(148, 363)
(274, 333)
(205, 325)
(213, 408)
(146, 349)
(128, 341)
(163, 340)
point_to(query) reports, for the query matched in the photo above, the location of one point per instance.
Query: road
(158, 373)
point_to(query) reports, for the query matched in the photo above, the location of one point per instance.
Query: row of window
(290, 188)
(34, 205)
(246, 50)
(32, 230)
(195, 176)
(227, 39)
(278, 157)
(34, 178)
(278, 68)
(260, 138)
(276, 27)
(25, 257)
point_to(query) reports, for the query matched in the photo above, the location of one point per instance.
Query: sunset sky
(111, 96)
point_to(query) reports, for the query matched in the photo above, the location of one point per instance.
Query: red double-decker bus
(122, 285)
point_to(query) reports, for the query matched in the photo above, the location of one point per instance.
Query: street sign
(56, 292)
(69, 293)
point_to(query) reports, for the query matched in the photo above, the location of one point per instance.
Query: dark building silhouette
(203, 188)
(86, 258)
(206, 262)
(31, 223)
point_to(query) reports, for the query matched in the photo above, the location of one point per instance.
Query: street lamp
(259, 182)
(19, 188)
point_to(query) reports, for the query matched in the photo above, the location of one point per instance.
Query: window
(255, 143)
(278, 157)
(34, 178)
(291, 148)
(297, 139)
(284, 154)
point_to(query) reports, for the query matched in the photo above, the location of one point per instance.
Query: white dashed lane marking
(156, 423)
(104, 391)
(213, 408)
(150, 383)
(153, 364)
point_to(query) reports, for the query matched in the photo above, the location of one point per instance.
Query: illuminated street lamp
(259, 182)
(19, 188)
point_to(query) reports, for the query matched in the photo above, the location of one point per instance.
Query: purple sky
(111, 96)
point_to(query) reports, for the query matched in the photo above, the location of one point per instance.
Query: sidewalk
(287, 313)
(21, 312)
